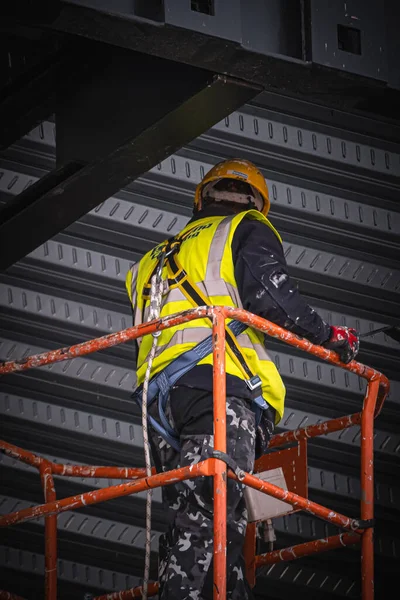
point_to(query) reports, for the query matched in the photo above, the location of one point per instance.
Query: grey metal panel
(336, 209)
(117, 209)
(14, 183)
(79, 259)
(306, 527)
(384, 441)
(159, 206)
(310, 202)
(22, 560)
(32, 302)
(320, 480)
(344, 268)
(326, 375)
(146, 218)
(224, 23)
(45, 133)
(125, 432)
(305, 258)
(61, 310)
(73, 522)
(267, 127)
(314, 580)
(123, 8)
(366, 17)
(90, 482)
(262, 126)
(272, 27)
(114, 377)
(74, 572)
(393, 52)
(89, 370)
(341, 485)
(312, 260)
(84, 423)
(299, 524)
(69, 419)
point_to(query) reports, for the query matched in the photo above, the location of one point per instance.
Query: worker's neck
(214, 210)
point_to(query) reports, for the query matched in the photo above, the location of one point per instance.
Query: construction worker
(228, 254)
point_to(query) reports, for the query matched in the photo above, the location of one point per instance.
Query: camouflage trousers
(186, 549)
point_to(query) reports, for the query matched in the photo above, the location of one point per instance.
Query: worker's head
(236, 183)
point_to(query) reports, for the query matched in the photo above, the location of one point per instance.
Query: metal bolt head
(241, 475)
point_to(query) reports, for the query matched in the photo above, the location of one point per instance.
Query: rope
(154, 313)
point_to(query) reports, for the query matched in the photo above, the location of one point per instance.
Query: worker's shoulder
(252, 226)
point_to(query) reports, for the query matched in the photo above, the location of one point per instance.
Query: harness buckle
(172, 249)
(254, 383)
(230, 462)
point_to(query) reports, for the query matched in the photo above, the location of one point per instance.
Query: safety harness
(160, 385)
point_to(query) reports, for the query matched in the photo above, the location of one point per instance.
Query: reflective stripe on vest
(206, 255)
(185, 336)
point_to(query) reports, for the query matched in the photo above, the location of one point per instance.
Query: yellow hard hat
(239, 169)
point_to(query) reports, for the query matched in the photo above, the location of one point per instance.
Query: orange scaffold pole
(220, 474)
(378, 387)
(50, 532)
(367, 490)
(206, 467)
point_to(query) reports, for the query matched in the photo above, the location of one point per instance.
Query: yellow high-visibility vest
(206, 256)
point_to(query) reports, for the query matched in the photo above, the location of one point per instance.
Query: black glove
(264, 433)
(345, 341)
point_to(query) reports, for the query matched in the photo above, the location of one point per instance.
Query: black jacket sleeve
(265, 287)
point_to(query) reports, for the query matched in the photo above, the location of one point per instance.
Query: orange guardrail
(356, 530)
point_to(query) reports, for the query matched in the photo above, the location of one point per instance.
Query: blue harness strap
(161, 384)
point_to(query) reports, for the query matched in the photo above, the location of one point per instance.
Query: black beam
(45, 69)
(291, 75)
(134, 111)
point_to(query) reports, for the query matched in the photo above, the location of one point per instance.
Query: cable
(154, 313)
(269, 534)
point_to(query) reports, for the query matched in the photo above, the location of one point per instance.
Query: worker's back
(205, 256)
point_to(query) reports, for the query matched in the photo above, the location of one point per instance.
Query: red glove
(345, 341)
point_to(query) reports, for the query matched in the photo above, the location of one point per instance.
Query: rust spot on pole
(307, 549)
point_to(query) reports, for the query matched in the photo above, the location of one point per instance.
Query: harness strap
(171, 245)
(161, 384)
(183, 363)
(197, 298)
(228, 460)
(180, 278)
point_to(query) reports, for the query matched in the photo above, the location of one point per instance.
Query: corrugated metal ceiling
(334, 199)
